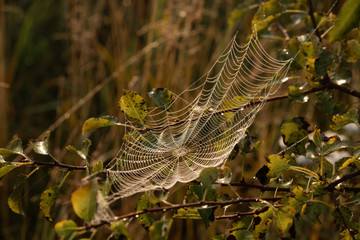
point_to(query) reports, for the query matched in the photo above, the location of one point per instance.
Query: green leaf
(66, 229)
(98, 166)
(262, 223)
(327, 104)
(348, 18)
(219, 237)
(145, 219)
(266, 14)
(119, 229)
(340, 121)
(294, 130)
(277, 166)
(207, 215)
(94, 123)
(15, 198)
(353, 46)
(322, 63)
(133, 105)
(284, 219)
(160, 229)
(187, 213)
(47, 200)
(6, 169)
(42, 147)
(312, 211)
(296, 95)
(350, 161)
(84, 201)
(208, 176)
(162, 98)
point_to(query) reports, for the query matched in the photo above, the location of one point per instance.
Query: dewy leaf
(84, 201)
(340, 121)
(266, 14)
(277, 166)
(94, 123)
(162, 98)
(83, 153)
(15, 198)
(42, 147)
(119, 229)
(160, 229)
(66, 229)
(47, 200)
(15, 147)
(145, 219)
(208, 176)
(348, 18)
(133, 105)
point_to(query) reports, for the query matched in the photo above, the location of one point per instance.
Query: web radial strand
(177, 145)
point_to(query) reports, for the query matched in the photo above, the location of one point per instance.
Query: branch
(177, 206)
(332, 185)
(60, 165)
(260, 187)
(242, 214)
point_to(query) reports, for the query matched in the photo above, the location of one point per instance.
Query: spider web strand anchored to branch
(176, 145)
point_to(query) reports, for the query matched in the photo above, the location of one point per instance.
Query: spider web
(176, 144)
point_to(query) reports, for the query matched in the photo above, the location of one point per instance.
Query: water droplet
(136, 215)
(286, 78)
(341, 81)
(222, 114)
(306, 98)
(241, 109)
(205, 206)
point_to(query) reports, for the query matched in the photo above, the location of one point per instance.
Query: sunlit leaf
(47, 200)
(119, 229)
(208, 176)
(340, 121)
(145, 219)
(162, 98)
(84, 201)
(160, 229)
(293, 131)
(133, 105)
(15, 198)
(262, 223)
(240, 229)
(42, 147)
(277, 166)
(66, 229)
(94, 123)
(98, 166)
(348, 18)
(267, 13)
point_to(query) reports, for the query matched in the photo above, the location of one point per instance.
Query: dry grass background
(71, 60)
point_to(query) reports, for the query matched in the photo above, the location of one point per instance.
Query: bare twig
(332, 185)
(177, 206)
(341, 215)
(311, 13)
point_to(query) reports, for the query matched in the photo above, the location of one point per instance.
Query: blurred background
(72, 59)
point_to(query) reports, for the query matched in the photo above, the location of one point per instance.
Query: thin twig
(260, 187)
(177, 206)
(58, 164)
(311, 13)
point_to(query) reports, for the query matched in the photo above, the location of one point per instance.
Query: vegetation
(65, 64)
